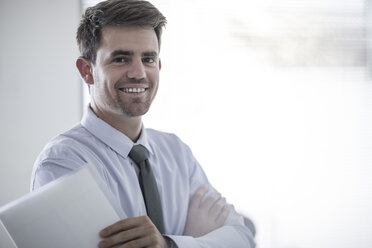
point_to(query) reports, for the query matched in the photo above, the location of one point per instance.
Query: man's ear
(85, 68)
(159, 64)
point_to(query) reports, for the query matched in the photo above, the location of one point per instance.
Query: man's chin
(135, 113)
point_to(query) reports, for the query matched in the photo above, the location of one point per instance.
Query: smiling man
(125, 76)
(151, 178)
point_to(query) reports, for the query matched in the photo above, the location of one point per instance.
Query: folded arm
(232, 233)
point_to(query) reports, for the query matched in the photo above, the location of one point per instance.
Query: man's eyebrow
(150, 54)
(121, 52)
(130, 53)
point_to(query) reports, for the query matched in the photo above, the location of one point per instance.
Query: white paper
(68, 212)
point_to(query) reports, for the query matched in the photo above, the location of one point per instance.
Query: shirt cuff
(183, 241)
(170, 242)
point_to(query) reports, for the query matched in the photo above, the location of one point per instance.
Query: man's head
(115, 13)
(119, 42)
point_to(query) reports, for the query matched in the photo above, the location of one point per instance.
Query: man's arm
(233, 233)
(228, 235)
(204, 216)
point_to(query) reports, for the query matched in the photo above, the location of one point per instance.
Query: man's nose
(136, 70)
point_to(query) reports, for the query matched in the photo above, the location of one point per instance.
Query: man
(119, 41)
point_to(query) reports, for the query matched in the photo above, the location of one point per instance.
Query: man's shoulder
(160, 136)
(165, 140)
(67, 142)
(61, 155)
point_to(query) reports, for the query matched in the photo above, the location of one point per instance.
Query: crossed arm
(205, 214)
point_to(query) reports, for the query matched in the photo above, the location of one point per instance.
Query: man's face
(126, 72)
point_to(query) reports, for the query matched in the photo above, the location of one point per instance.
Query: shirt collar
(143, 140)
(112, 137)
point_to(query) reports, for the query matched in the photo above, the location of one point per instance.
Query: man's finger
(142, 242)
(122, 225)
(223, 216)
(217, 207)
(210, 200)
(145, 241)
(198, 196)
(121, 237)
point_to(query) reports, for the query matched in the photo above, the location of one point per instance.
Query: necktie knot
(139, 154)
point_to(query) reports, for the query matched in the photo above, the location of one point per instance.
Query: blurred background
(273, 96)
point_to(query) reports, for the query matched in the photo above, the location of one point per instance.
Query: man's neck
(129, 126)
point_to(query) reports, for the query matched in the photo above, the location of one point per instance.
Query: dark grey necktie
(149, 189)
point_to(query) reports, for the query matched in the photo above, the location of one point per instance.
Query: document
(68, 212)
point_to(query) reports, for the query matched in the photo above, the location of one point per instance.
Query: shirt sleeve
(48, 172)
(51, 165)
(233, 234)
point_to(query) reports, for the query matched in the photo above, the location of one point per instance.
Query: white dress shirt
(177, 173)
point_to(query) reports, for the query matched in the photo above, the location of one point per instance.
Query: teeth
(134, 90)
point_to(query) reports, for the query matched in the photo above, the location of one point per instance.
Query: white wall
(39, 87)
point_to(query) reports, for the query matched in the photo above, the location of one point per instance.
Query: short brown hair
(115, 13)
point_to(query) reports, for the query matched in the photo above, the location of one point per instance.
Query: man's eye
(148, 60)
(120, 60)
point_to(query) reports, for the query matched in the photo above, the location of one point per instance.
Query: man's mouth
(133, 90)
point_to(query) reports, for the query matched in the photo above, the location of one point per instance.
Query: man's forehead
(122, 36)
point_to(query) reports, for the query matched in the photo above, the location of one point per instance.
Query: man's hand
(204, 217)
(132, 232)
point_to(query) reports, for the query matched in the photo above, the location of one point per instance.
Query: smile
(133, 90)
